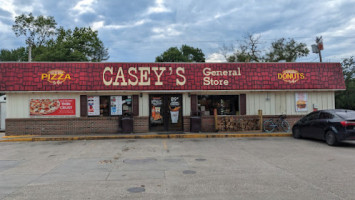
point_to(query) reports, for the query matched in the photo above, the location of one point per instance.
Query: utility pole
(318, 47)
(319, 41)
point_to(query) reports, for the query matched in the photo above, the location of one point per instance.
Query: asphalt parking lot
(212, 168)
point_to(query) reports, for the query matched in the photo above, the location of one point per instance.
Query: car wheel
(330, 138)
(296, 133)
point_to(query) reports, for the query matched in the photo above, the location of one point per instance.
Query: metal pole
(260, 113)
(29, 53)
(320, 56)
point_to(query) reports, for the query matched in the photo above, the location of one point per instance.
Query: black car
(332, 126)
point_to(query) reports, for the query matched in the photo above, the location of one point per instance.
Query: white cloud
(98, 25)
(215, 57)
(101, 25)
(84, 6)
(8, 6)
(169, 31)
(346, 29)
(219, 15)
(159, 7)
(13, 9)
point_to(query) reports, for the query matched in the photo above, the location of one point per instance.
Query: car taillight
(347, 123)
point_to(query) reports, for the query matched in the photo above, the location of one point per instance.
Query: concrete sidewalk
(33, 138)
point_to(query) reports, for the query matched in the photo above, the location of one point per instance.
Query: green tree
(346, 99)
(184, 54)
(37, 29)
(18, 55)
(288, 50)
(248, 50)
(47, 43)
(80, 44)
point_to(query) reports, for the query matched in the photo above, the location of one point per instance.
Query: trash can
(195, 124)
(127, 124)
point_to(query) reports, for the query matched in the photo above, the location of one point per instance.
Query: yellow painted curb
(165, 136)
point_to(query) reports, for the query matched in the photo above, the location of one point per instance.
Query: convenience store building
(91, 98)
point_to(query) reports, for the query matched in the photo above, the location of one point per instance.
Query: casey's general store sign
(169, 76)
(142, 76)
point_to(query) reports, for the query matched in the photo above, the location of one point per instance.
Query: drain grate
(189, 172)
(136, 190)
(140, 161)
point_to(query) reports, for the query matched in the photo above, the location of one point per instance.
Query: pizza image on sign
(43, 106)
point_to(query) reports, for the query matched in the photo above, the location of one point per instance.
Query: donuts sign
(290, 76)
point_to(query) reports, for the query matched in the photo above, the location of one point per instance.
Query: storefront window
(109, 105)
(225, 104)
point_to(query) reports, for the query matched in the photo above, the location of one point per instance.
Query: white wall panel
(277, 103)
(144, 105)
(186, 105)
(272, 103)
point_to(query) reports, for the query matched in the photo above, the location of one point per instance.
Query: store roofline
(169, 91)
(182, 62)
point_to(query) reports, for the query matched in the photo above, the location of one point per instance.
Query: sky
(141, 30)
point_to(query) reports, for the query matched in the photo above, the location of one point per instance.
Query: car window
(312, 116)
(347, 115)
(325, 115)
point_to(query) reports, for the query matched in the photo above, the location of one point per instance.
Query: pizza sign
(56, 76)
(40, 107)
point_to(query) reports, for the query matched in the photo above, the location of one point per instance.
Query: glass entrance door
(174, 107)
(157, 113)
(165, 112)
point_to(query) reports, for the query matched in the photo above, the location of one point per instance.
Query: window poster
(116, 105)
(174, 109)
(93, 105)
(301, 102)
(52, 107)
(156, 117)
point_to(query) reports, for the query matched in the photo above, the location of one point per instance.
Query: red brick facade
(186, 124)
(105, 125)
(77, 126)
(63, 126)
(140, 124)
(169, 76)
